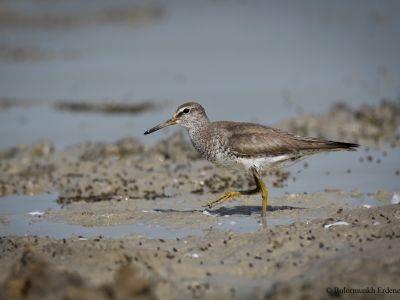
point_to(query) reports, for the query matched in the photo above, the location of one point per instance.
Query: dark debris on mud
(127, 168)
(98, 171)
(106, 107)
(15, 17)
(19, 53)
(297, 261)
(368, 125)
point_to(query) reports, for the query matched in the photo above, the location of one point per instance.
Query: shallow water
(344, 170)
(17, 208)
(366, 176)
(24, 216)
(272, 58)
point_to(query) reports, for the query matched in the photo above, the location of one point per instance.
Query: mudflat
(122, 220)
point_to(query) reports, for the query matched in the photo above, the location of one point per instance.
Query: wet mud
(313, 242)
(127, 168)
(128, 14)
(18, 53)
(368, 125)
(106, 107)
(304, 259)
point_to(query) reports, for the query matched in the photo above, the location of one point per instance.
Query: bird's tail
(332, 145)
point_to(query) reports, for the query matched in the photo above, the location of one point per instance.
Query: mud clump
(124, 147)
(129, 14)
(42, 149)
(32, 277)
(369, 125)
(17, 53)
(129, 284)
(106, 107)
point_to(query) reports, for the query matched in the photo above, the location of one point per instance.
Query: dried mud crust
(301, 260)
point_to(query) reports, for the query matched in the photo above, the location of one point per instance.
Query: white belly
(260, 163)
(263, 162)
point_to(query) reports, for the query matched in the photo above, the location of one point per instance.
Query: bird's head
(188, 115)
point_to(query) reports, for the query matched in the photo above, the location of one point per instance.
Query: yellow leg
(264, 192)
(225, 197)
(260, 186)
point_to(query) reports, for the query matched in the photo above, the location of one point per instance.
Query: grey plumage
(241, 139)
(249, 139)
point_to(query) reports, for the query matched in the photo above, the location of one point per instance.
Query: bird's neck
(196, 133)
(198, 126)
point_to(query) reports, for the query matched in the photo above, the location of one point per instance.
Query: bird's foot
(223, 198)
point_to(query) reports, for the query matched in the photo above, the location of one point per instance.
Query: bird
(249, 147)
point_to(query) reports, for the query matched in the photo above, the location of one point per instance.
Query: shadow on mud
(235, 210)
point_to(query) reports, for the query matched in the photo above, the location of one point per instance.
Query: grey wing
(257, 140)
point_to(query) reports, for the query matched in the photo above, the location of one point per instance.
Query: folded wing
(248, 139)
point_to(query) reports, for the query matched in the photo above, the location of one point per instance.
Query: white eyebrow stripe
(182, 109)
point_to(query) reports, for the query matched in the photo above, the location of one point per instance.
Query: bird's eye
(186, 111)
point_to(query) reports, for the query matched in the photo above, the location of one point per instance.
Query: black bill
(162, 125)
